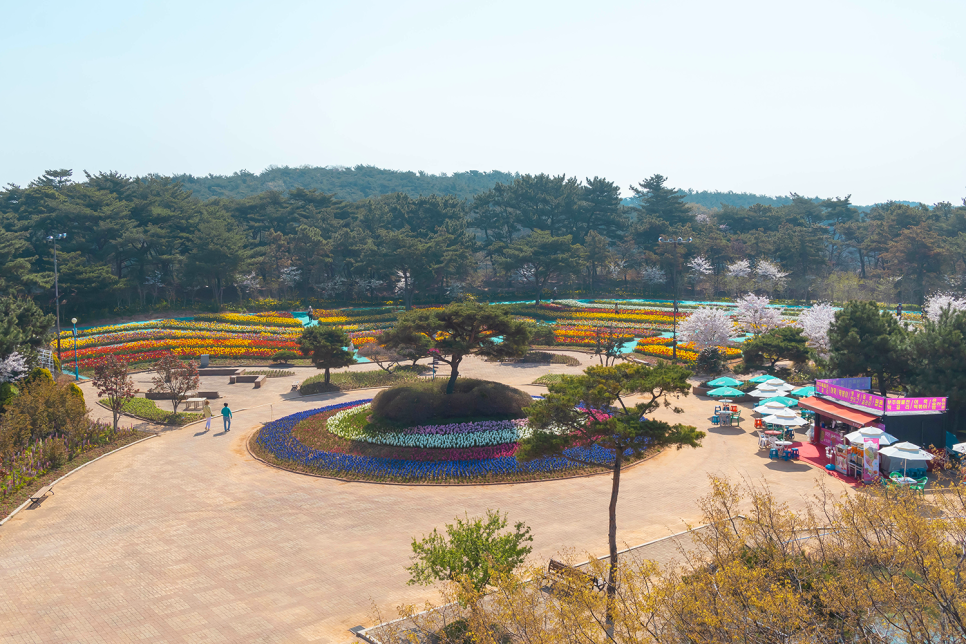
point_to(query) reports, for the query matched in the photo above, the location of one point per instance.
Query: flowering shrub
(469, 463)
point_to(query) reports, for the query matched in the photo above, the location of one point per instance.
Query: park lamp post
(53, 239)
(674, 287)
(74, 322)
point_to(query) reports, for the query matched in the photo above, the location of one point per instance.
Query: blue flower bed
(276, 438)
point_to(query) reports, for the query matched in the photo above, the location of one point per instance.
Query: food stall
(844, 405)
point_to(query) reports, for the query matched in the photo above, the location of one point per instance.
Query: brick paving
(187, 538)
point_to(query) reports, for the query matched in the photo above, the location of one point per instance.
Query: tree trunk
(326, 375)
(612, 540)
(453, 375)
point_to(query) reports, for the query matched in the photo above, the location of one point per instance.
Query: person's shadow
(202, 432)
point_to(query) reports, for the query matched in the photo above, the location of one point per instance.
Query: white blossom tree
(13, 367)
(939, 302)
(706, 327)
(248, 284)
(754, 314)
(815, 323)
(699, 268)
(653, 275)
(738, 273)
(290, 276)
(769, 275)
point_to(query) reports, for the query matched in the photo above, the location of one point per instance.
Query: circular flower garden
(338, 441)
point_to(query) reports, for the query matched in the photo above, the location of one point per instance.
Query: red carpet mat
(814, 455)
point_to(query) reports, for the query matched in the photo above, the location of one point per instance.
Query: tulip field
(454, 453)
(231, 336)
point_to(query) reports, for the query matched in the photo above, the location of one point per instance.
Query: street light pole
(53, 239)
(74, 322)
(674, 288)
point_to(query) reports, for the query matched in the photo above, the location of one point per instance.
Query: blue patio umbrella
(724, 382)
(760, 379)
(726, 392)
(803, 392)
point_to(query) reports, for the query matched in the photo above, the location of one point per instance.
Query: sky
(822, 98)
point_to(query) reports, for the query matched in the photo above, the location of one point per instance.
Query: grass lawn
(148, 410)
(347, 380)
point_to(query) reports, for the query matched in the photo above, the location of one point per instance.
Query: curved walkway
(187, 538)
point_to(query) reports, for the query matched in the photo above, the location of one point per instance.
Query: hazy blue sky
(821, 97)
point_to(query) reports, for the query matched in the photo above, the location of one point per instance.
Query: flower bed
(242, 318)
(469, 465)
(661, 347)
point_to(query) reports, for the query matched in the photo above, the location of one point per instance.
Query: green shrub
(417, 403)
(710, 361)
(54, 453)
(541, 334)
(549, 379)
(284, 355)
(545, 357)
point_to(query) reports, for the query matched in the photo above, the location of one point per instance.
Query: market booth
(844, 405)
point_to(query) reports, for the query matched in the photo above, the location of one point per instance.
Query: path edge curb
(77, 469)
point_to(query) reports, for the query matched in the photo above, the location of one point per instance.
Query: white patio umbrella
(768, 391)
(859, 436)
(906, 452)
(786, 417)
(771, 408)
(775, 382)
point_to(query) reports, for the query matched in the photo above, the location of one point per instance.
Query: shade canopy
(760, 379)
(795, 421)
(859, 436)
(725, 391)
(775, 382)
(785, 401)
(906, 451)
(724, 381)
(803, 392)
(769, 406)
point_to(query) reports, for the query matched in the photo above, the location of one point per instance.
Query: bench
(561, 572)
(38, 496)
(258, 380)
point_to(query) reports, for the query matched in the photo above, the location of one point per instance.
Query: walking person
(206, 413)
(226, 416)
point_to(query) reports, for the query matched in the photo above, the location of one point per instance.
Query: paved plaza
(187, 538)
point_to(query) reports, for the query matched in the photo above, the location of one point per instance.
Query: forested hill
(350, 184)
(364, 181)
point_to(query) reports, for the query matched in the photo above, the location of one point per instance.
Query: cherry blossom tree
(939, 302)
(13, 367)
(699, 268)
(815, 323)
(769, 275)
(113, 383)
(653, 275)
(706, 327)
(754, 314)
(738, 273)
(176, 378)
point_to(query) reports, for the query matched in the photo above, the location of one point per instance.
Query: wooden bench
(38, 496)
(561, 572)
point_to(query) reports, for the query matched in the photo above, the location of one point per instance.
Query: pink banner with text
(834, 390)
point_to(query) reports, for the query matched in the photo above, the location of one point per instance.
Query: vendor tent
(803, 392)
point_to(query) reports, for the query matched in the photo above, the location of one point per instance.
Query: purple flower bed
(470, 463)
